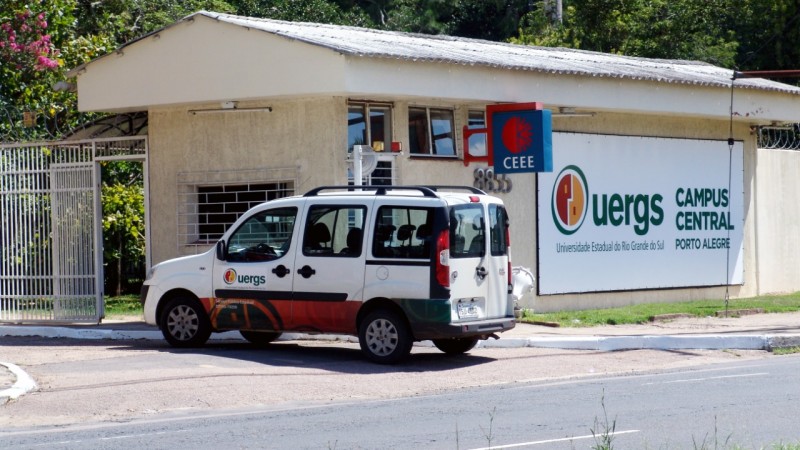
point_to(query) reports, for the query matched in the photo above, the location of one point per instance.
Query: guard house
(659, 190)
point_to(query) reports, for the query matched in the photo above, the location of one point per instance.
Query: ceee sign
(520, 138)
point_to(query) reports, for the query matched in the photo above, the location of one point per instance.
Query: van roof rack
(470, 189)
(379, 189)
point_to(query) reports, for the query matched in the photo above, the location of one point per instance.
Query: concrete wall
(307, 139)
(777, 219)
(296, 141)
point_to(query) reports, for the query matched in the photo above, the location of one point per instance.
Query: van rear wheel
(260, 338)
(384, 337)
(455, 346)
(184, 323)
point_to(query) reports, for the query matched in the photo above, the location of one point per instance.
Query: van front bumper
(481, 328)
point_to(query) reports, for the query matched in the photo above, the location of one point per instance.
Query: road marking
(552, 441)
(691, 380)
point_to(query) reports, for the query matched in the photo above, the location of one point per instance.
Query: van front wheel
(455, 346)
(384, 337)
(184, 323)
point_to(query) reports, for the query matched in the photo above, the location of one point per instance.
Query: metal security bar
(50, 228)
(209, 202)
(779, 137)
(27, 288)
(73, 237)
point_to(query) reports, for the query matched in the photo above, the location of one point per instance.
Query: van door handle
(481, 272)
(306, 271)
(281, 271)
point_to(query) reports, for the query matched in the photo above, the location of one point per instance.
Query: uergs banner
(627, 213)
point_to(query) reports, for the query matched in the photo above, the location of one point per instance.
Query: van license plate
(467, 311)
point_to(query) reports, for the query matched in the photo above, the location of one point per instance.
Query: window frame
(386, 159)
(430, 148)
(477, 137)
(388, 225)
(345, 217)
(254, 253)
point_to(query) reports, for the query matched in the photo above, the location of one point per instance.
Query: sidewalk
(750, 332)
(755, 331)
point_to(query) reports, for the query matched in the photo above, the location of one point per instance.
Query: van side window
(498, 230)
(403, 232)
(333, 230)
(263, 237)
(467, 231)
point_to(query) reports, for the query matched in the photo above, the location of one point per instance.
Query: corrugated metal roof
(370, 43)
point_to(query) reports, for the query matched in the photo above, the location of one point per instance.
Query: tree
(125, 20)
(32, 35)
(123, 223)
(672, 29)
(319, 11)
(494, 20)
(769, 33)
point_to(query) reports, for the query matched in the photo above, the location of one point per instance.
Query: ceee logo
(520, 138)
(517, 135)
(570, 200)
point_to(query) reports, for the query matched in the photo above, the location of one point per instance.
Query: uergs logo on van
(229, 276)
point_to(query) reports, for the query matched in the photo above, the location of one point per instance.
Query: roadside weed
(488, 434)
(603, 432)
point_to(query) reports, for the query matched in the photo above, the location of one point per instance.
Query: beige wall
(777, 219)
(307, 139)
(296, 140)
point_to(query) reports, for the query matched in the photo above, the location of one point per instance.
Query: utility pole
(553, 9)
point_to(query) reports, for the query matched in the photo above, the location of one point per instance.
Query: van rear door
(479, 261)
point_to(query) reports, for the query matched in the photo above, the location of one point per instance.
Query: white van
(389, 264)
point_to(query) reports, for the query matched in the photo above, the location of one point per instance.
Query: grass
(128, 305)
(785, 350)
(125, 305)
(642, 313)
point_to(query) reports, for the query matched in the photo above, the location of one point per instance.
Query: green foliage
(125, 20)
(32, 35)
(493, 20)
(318, 11)
(671, 29)
(123, 221)
(124, 305)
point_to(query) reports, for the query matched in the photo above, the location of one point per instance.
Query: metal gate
(51, 254)
(74, 238)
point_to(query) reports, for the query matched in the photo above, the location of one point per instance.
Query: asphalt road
(324, 395)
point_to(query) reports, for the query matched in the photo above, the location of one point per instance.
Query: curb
(23, 384)
(597, 343)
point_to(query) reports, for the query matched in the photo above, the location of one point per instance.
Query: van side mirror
(222, 250)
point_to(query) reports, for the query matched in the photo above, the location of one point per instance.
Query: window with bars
(217, 207)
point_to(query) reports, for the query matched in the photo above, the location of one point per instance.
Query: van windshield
(467, 231)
